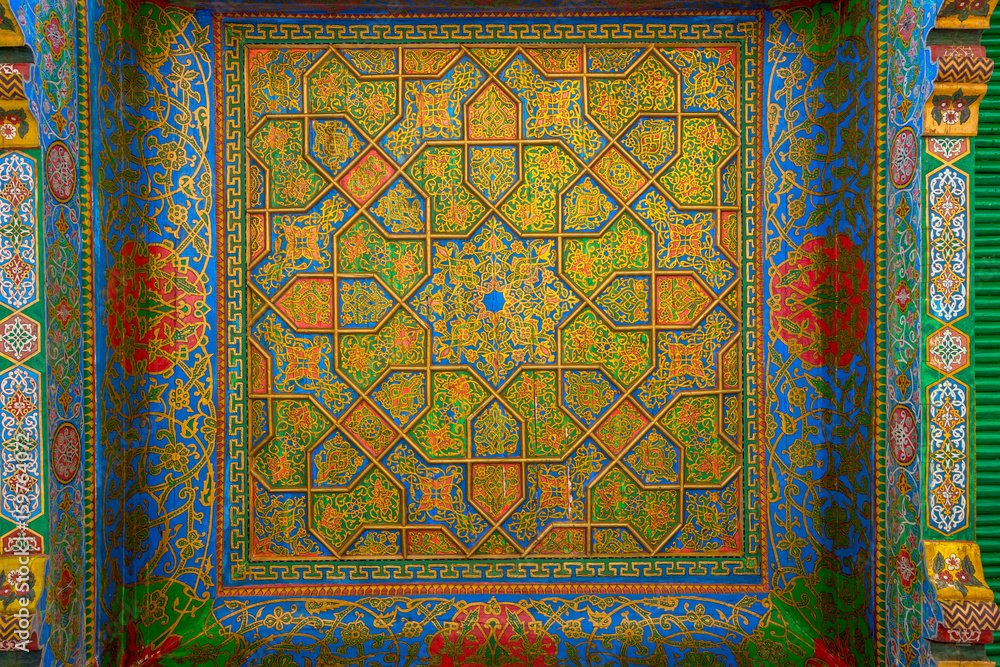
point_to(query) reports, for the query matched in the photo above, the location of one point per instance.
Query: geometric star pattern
(496, 307)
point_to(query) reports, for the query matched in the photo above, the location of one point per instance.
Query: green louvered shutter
(986, 291)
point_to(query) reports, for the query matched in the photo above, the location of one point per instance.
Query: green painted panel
(986, 293)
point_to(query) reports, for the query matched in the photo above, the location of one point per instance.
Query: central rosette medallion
(494, 302)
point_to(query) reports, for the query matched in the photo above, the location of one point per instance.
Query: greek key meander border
(366, 577)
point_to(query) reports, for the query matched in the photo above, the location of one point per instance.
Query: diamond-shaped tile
(587, 207)
(336, 463)
(366, 426)
(334, 144)
(654, 460)
(619, 174)
(364, 179)
(402, 395)
(652, 142)
(399, 209)
(620, 427)
(588, 394)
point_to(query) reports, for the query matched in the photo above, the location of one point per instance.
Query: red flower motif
(65, 587)
(137, 654)
(907, 23)
(906, 569)
(493, 639)
(832, 652)
(821, 302)
(54, 35)
(157, 308)
(64, 313)
(902, 296)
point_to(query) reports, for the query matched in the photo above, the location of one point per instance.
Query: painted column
(959, 615)
(24, 531)
(909, 23)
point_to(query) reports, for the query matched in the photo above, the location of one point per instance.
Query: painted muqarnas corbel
(959, 612)
(963, 70)
(18, 127)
